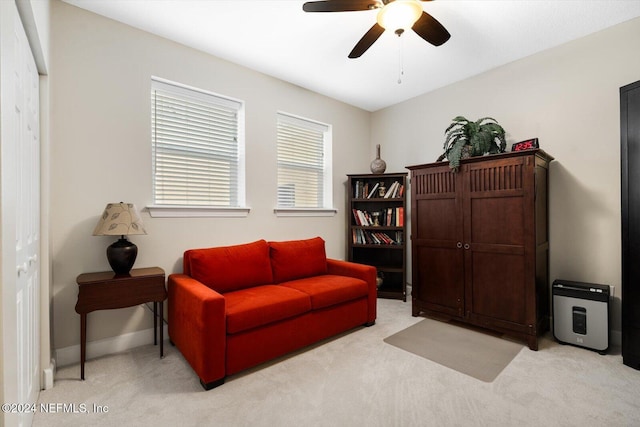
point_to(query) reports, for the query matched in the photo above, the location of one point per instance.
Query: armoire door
(498, 242)
(630, 197)
(436, 215)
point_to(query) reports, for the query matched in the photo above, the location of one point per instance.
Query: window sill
(195, 212)
(285, 212)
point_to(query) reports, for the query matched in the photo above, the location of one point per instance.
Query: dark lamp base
(122, 255)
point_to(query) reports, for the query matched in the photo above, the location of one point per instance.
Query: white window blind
(304, 163)
(198, 147)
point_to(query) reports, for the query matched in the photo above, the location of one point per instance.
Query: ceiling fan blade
(341, 5)
(366, 41)
(431, 30)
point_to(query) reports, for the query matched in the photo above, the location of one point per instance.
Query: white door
(20, 213)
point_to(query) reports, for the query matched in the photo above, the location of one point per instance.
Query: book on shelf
(361, 190)
(362, 218)
(390, 190)
(373, 192)
(395, 191)
(392, 217)
(389, 217)
(366, 190)
(366, 237)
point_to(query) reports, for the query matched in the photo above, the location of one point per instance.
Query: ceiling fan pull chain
(400, 57)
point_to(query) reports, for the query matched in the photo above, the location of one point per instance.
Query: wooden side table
(108, 290)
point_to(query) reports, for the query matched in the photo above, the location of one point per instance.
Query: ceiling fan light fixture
(399, 15)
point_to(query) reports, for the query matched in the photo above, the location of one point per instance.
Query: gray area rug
(476, 354)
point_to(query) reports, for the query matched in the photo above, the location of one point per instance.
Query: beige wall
(568, 97)
(101, 152)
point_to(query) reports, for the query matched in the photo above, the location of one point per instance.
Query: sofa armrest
(197, 326)
(359, 271)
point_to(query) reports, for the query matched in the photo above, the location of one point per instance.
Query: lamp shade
(119, 219)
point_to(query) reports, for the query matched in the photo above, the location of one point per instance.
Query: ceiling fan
(395, 15)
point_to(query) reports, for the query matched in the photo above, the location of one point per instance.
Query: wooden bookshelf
(376, 231)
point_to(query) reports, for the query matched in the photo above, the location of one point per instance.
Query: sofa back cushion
(230, 268)
(297, 259)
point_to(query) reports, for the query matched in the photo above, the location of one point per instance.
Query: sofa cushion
(258, 306)
(296, 259)
(229, 268)
(328, 290)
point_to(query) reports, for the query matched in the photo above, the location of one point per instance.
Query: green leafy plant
(483, 136)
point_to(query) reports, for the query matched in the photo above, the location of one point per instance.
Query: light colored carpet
(354, 380)
(476, 354)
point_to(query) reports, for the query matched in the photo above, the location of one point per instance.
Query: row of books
(366, 190)
(396, 190)
(389, 217)
(364, 237)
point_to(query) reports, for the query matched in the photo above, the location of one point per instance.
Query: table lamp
(120, 219)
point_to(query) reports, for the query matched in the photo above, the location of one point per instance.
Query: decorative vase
(378, 165)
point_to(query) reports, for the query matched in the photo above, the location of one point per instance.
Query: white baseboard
(71, 355)
(47, 375)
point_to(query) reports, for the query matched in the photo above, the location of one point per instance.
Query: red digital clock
(525, 145)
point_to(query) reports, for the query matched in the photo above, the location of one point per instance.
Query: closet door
(630, 186)
(19, 217)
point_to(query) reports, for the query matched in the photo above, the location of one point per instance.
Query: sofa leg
(370, 323)
(212, 384)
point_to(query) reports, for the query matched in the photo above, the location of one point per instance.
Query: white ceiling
(310, 49)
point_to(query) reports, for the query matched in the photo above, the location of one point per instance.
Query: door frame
(629, 356)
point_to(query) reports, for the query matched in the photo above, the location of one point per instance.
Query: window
(304, 166)
(198, 152)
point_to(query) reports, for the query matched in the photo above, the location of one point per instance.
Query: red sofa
(235, 307)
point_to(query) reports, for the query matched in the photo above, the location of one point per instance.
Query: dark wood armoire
(630, 198)
(480, 242)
